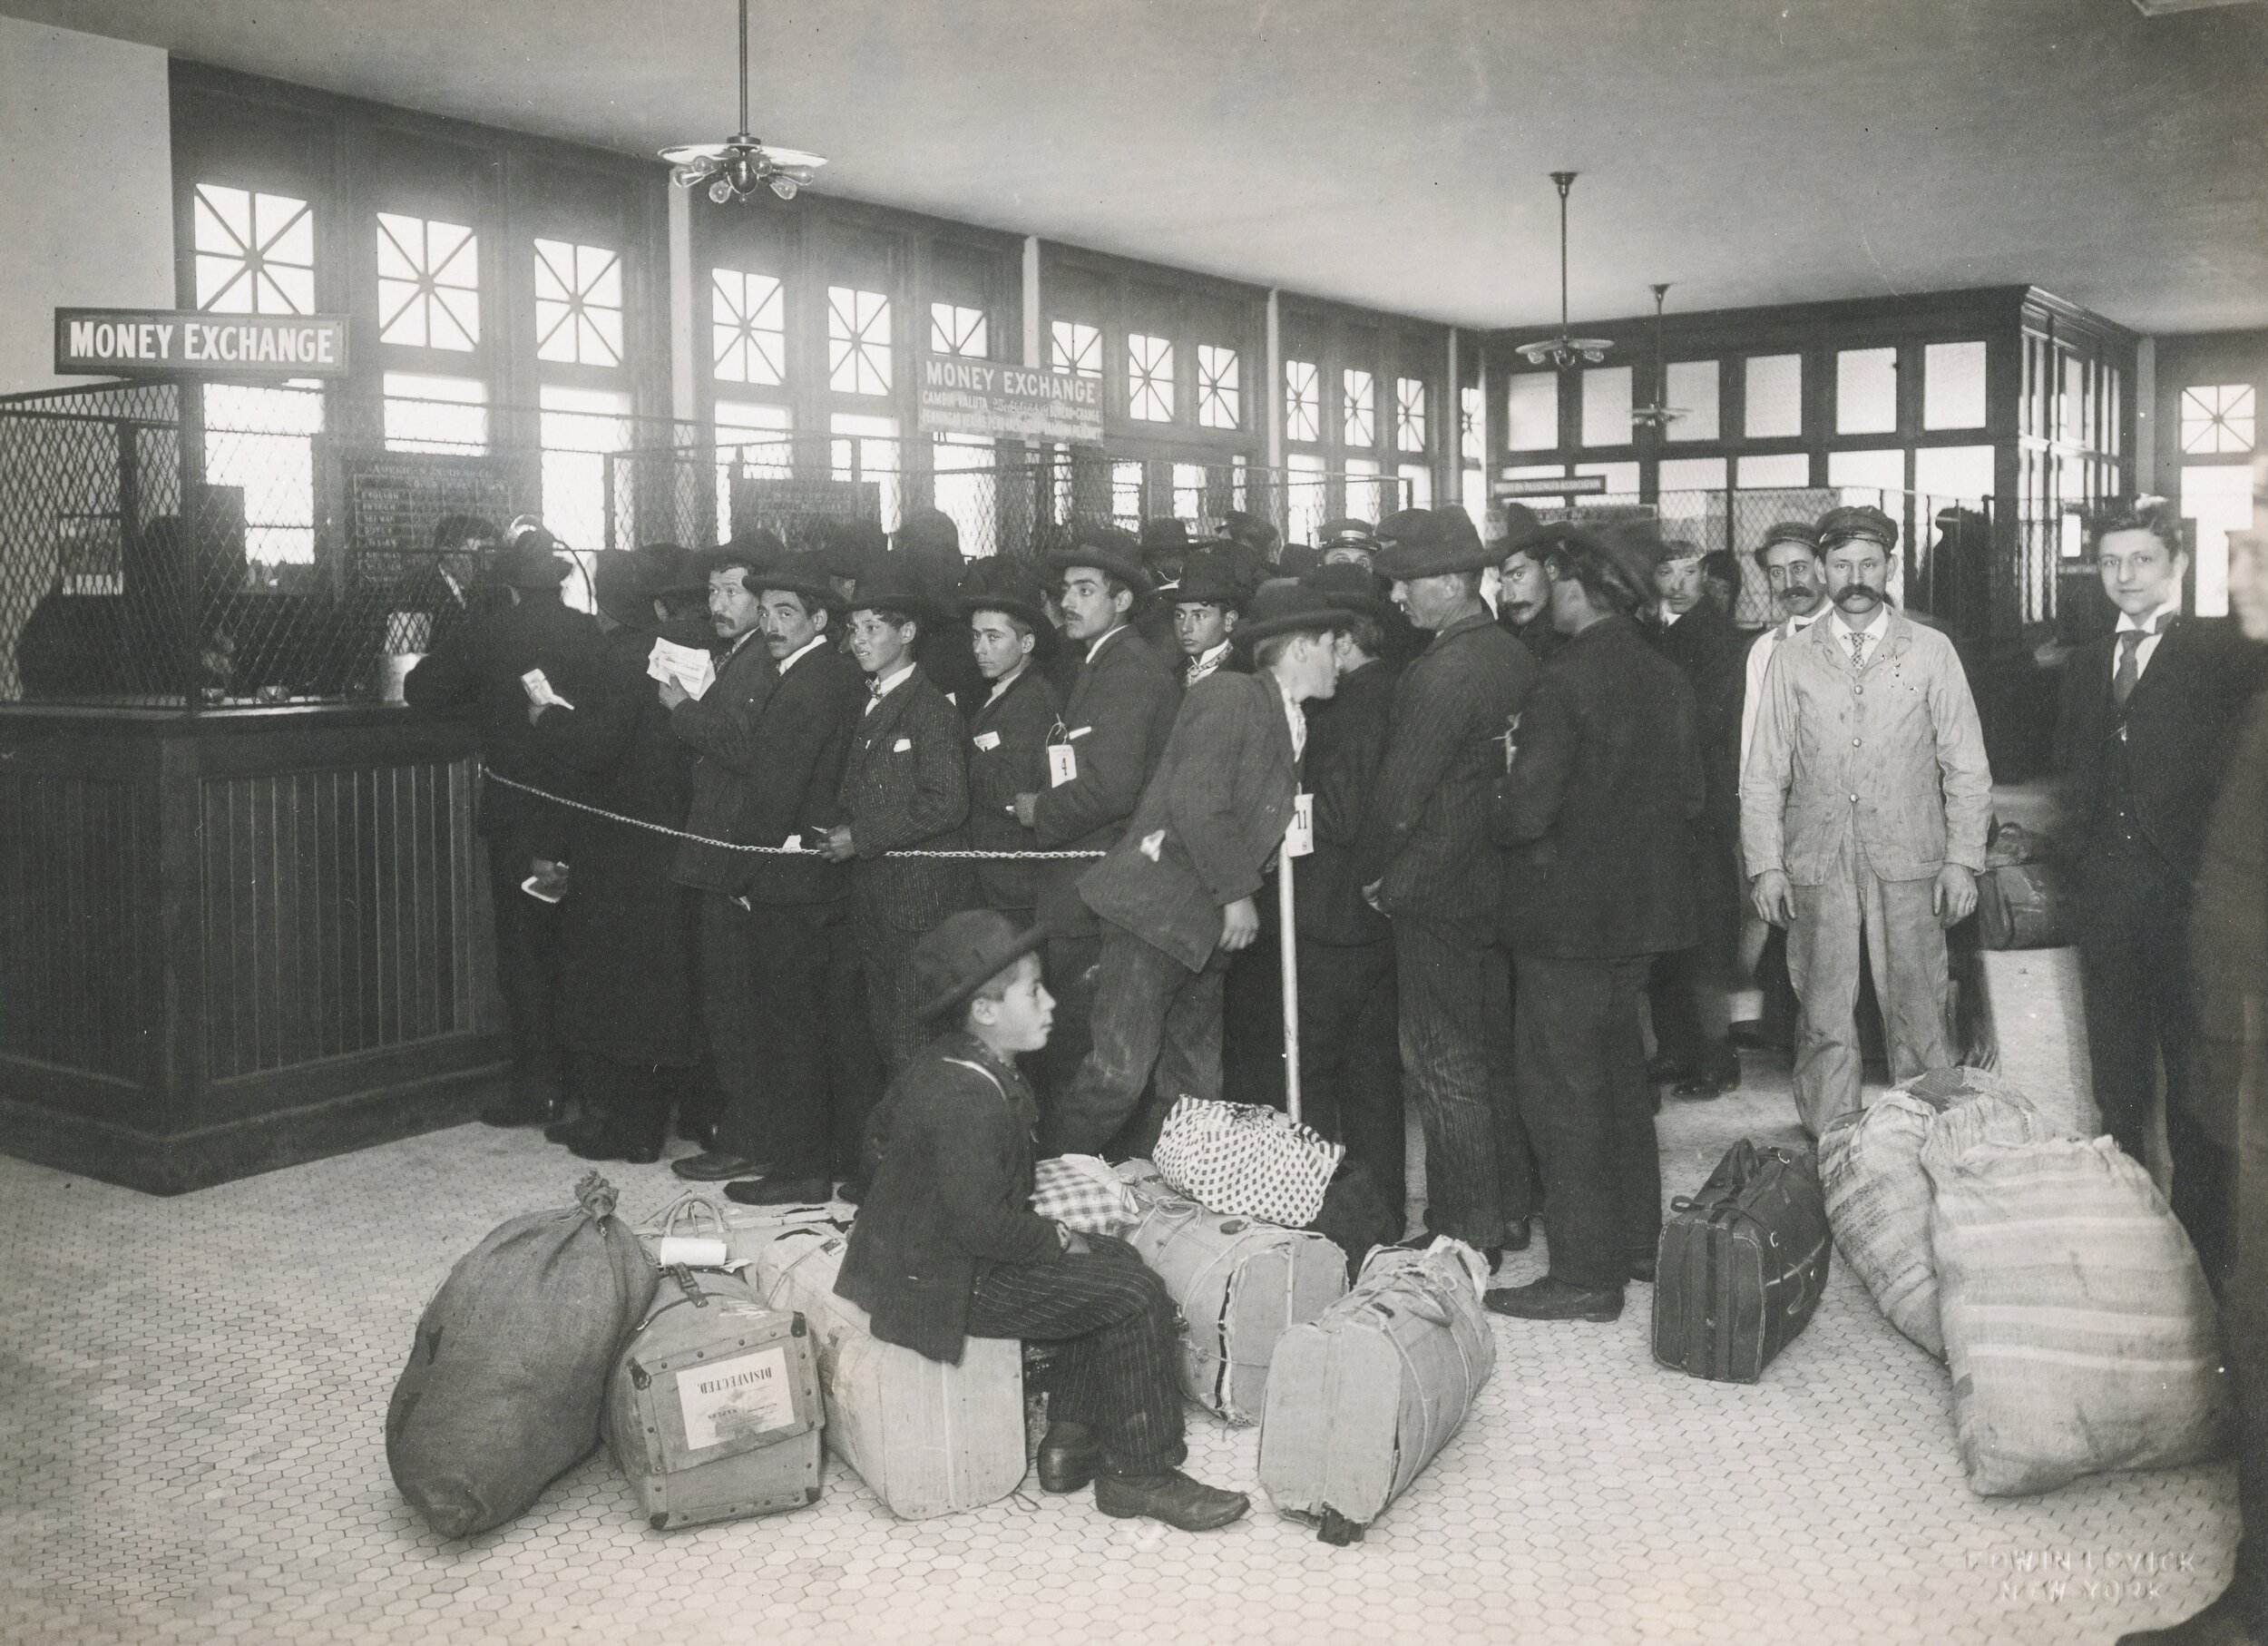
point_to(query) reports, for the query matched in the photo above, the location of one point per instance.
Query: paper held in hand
(693, 670)
(539, 690)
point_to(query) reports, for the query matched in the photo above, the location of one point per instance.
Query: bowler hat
(1838, 526)
(1000, 583)
(1350, 589)
(754, 551)
(1520, 524)
(846, 545)
(1165, 535)
(892, 585)
(621, 590)
(532, 562)
(1105, 549)
(1209, 578)
(929, 527)
(1298, 560)
(669, 570)
(1285, 605)
(965, 952)
(1429, 542)
(1250, 529)
(800, 575)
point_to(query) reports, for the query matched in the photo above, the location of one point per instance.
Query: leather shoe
(709, 1167)
(1516, 1236)
(1660, 1068)
(1641, 1267)
(1070, 1458)
(1752, 1034)
(2228, 1622)
(781, 1191)
(1555, 1299)
(1181, 1502)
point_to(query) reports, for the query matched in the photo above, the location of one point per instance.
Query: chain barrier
(774, 851)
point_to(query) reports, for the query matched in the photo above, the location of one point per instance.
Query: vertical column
(1031, 357)
(682, 405)
(2143, 475)
(1449, 460)
(1271, 403)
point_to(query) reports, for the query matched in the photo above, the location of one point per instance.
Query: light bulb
(685, 177)
(783, 185)
(721, 190)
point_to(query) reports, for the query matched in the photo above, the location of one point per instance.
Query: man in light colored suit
(1864, 809)
(1174, 896)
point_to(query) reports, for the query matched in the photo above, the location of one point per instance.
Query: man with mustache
(1864, 808)
(1524, 601)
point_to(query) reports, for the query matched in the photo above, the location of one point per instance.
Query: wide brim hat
(1107, 548)
(755, 551)
(1627, 557)
(1427, 543)
(965, 952)
(799, 575)
(1164, 535)
(1350, 589)
(1210, 578)
(892, 585)
(998, 584)
(532, 562)
(1520, 524)
(621, 587)
(669, 569)
(1285, 605)
(1838, 526)
(845, 546)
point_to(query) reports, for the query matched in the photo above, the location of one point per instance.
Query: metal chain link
(770, 851)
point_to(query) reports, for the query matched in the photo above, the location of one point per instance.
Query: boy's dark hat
(1350, 588)
(891, 585)
(1000, 583)
(1209, 578)
(965, 952)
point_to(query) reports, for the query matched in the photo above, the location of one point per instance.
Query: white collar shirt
(802, 651)
(1208, 662)
(2152, 627)
(1873, 631)
(1296, 718)
(882, 686)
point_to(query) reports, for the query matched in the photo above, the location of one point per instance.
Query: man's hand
(1075, 1244)
(1954, 896)
(1028, 810)
(550, 875)
(1239, 924)
(535, 712)
(672, 694)
(1370, 893)
(1771, 898)
(837, 845)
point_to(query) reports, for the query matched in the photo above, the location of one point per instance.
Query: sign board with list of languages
(965, 397)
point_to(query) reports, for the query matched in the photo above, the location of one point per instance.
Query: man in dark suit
(947, 1247)
(1690, 989)
(1205, 605)
(1175, 894)
(906, 786)
(1524, 601)
(481, 670)
(1350, 1052)
(1116, 721)
(1425, 863)
(2149, 714)
(1606, 776)
(1010, 723)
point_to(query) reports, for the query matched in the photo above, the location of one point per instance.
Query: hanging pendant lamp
(736, 169)
(1658, 414)
(1564, 350)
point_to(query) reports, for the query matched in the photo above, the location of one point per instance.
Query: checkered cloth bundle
(1082, 1193)
(1247, 1162)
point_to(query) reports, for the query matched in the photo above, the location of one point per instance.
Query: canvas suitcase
(1239, 1283)
(927, 1437)
(1741, 1264)
(714, 1411)
(1362, 1397)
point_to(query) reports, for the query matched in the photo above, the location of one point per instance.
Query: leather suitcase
(926, 1437)
(1741, 1264)
(713, 1410)
(1239, 1283)
(2019, 906)
(1362, 1397)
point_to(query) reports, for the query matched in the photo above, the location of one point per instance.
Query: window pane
(1409, 415)
(429, 283)
(1218, 403)
(1148, 379)
(1188, 492)
(1867, 474)
(254, 253)
(742, 450)
(1362, 489)
(1305, 502)
(1953, 386)
(1607, 406)
(956, 330)
(1622, 482)
(858, 341)
(1075, 348)
(1126, 494)
(1359, 400)
(1692, 475)
(1302, 401)
(866, 449)
(425, 413)
(1692, 389)
(1469, 406)
(1417, 490)
(1776, 396)
(2219, 497)
(1532, 412)
(1866, 391)
(963, 488)
(1773, 473)
(260, 439)
(578, 304)
(1963, 473)
(1473, 493)
(2217, 420)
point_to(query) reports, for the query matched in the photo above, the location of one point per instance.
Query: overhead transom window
(1469, 425)
(1409, 414)
(255, 252)
(1302, 401)
(1148, 379)
(747, 327)
(1218, 403)
(857, 341)
(1362, 409)
(429, 283)
(2217, 418)
(578, 304)
(1075, 348)
(956, 330)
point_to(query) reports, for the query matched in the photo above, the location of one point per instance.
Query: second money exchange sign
(964, 396)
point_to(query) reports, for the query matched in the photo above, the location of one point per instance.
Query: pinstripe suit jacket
(905, 782)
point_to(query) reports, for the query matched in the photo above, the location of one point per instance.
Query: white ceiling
(1394, 154)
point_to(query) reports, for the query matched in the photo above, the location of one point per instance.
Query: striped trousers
(1117, 1332)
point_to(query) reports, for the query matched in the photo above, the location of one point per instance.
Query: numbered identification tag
(1299, 834)
(1063, 764)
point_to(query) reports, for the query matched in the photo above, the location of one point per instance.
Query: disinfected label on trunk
(730, 1400)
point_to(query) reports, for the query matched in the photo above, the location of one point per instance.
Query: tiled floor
(192, 1394)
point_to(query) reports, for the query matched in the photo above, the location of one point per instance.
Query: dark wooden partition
(233, 941)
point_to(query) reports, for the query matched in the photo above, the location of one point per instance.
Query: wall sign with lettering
(967, 397)
(104, 342)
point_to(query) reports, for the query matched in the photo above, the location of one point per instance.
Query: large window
(1409, 416)
(963, 488)
(1218, 403)
(431, 414)
(752, 443)
(2217, 420)
(1359, 403)
(261, 439)
(1075, 347)
(578, 429)
(748, 328)
(1531, 412)
(1126, 493)
(858, 341)
(1188, 492)
(578, 304)
(1866, 391)
(255, 252)
(1364, 492)
(1774, 396)
(1302, 402)
(1307, 501)
(1691, 386)
(1607, 406)
(1148, 379)
(956, 330)
(866, 449)
(1953, 386)
(1417, 484)
(429, 283)
(1470, 450)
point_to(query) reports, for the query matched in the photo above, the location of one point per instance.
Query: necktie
(873, 695)
(1858, 648)
(2130, 659)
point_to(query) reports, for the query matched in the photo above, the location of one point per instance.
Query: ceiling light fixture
(1564, 350)
(737, 169)
(1658, 414)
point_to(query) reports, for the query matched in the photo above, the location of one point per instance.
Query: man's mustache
(1858, 593)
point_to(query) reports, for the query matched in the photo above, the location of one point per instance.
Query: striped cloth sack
(2076, 1321)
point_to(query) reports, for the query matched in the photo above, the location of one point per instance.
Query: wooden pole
(1288, 939)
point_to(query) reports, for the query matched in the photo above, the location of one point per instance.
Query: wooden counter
(236, 940)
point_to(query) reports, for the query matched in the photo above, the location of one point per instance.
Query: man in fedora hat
(1009, 724)
(1175, 894)
(906, 787)
(1523, 594)
(1427, 863)
(930, 543)
(1863, 808)
(1206, 604)
(485, 671)
(1116, 721)
(1593, 814)
(947, 1247)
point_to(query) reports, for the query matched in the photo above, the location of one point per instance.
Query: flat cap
(1838, 526)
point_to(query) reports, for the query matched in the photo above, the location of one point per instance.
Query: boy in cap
(1009, 724)
(1206, 604)
(1174, 896)
(946, 1245)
